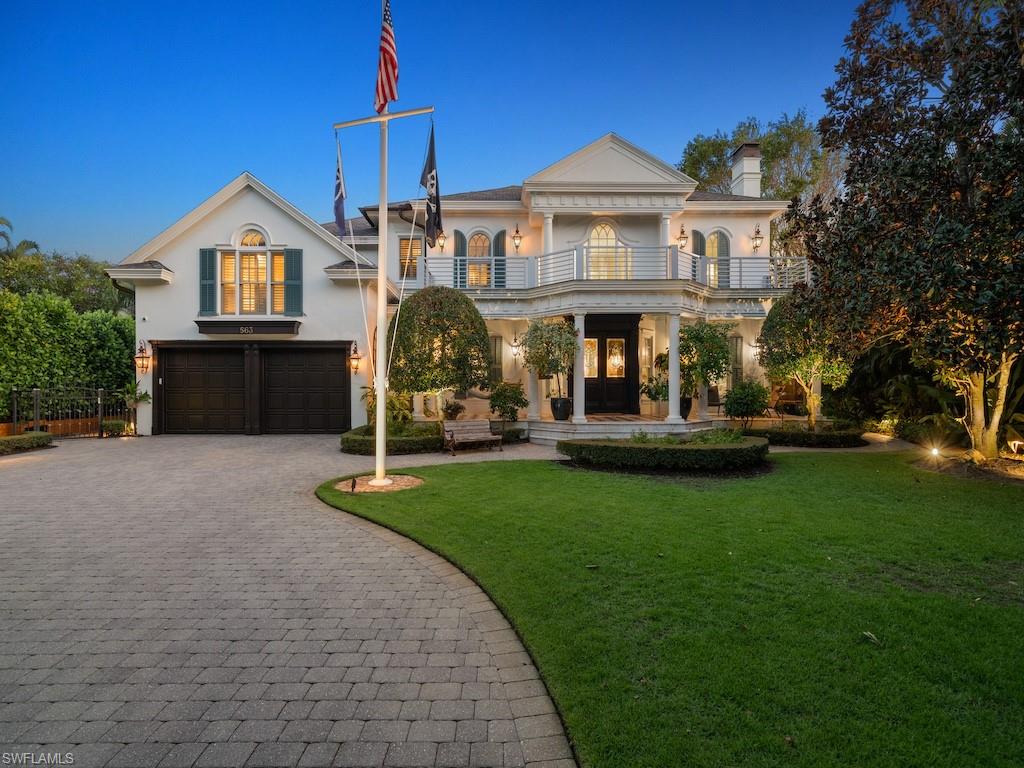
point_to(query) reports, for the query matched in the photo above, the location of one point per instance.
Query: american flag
(387, 64)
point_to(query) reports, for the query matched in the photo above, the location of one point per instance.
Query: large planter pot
(561, 408)
(656, 409)
(685, 404)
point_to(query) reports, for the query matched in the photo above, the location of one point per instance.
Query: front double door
(611, 363)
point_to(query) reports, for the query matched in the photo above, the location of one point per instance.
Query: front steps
(545, 432)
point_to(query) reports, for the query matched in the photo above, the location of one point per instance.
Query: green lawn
(723, 623)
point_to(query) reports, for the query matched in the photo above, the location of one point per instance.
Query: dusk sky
(118, 118)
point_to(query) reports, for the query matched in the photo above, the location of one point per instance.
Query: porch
(547, 431)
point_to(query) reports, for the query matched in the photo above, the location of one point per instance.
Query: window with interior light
(252, 277)
(410, 249)
(478, 271)
(607, 258)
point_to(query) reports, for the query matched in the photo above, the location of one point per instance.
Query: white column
(663, 240)
(674, 416)
(579, 381)
(533, 395)
(549, 232)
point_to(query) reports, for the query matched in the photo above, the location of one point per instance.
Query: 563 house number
(244, 329)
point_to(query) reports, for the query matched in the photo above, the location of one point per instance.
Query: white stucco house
(251, 308)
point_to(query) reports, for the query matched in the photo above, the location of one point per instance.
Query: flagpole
(380, 369)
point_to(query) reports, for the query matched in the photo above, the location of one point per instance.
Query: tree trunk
(810, 398)
(983, 427)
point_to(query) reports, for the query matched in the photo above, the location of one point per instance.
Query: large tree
(24, 270)
(440, 343)
(794, 344)
(924, 244)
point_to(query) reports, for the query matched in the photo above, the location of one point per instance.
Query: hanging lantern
(354, 358)
(757, 238)
(683, 237)
(517, 238)
(441, 240)
(516, 346)
(142, 358)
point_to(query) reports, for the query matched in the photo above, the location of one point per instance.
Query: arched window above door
(479, 246)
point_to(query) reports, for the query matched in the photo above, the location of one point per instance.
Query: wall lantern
(441, 240)
(756, 239)
(683, 237)
(142, 358)
(354, 358)
(516, 346)
(517, 238)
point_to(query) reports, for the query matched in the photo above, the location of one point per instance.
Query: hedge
(418, 438)
(627, 454)
(26, 441)
(834, 438)
(45, 343)
(116, 428)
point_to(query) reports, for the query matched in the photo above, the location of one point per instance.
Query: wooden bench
(469, 432)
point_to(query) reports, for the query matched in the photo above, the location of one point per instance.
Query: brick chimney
(746, 170)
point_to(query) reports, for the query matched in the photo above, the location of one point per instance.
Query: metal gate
(71, 412)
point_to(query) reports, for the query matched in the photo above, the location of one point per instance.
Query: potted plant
(655, 389)
(703, 358)
(549, 349)
(506, 399)
(134, 396)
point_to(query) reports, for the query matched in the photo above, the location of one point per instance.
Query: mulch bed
(398, 483)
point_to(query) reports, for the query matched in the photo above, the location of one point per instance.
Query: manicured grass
(706, 622)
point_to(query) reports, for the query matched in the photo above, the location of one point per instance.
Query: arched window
(718, 259)
(252, 238)
(479, 272)
(607, 258)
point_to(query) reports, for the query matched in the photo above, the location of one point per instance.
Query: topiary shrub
(402, 438)
(685, 456)
(746, 401)
(27, 441)
(827, 438)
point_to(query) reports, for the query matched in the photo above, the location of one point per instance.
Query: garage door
(203, 390)
(305, 390)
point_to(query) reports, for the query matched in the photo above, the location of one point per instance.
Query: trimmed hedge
(693, 457)
(115, 428)
(417, 438)
(835, 438)
(27, 441)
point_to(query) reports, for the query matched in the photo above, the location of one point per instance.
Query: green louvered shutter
(461, 252)
(207, 281)
(699, 249)
(498, 278)
(293, 281)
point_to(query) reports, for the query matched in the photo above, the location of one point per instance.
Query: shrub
(826, 438)
(682, 456)
(746, 400)
(452, 409)
(402, 438)
(549, 348)
(510, 435)
(116, 428)
(718, 437)
(26, 441)
(506, 399)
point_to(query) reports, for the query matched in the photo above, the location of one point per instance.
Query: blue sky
(117, 118)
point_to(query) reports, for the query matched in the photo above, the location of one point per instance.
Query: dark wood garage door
(305, 390)
(203, 390)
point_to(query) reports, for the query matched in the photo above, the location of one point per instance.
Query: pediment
(611, 160)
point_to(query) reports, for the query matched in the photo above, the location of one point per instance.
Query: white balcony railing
(612, 263)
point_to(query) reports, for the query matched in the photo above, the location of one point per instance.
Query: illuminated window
(252, 283)
(590, 358)
(616, 361)
(409, 251)
(228, 283)
(718, 259)
(252, 239)
(607, 258)
(479, 272)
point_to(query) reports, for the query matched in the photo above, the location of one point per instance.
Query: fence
(69, 412)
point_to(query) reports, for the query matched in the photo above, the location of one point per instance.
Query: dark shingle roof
(511, 193)
(149, 264)
(357, 227)
(721, 197)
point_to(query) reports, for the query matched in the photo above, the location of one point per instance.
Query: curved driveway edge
(185, 601)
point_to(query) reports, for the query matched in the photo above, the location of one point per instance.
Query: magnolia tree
(923, 245)
(440, 343)
(794, 344)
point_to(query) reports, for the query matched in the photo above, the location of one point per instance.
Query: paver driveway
(187, 601)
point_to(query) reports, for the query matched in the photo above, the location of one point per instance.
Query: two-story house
(252, 309)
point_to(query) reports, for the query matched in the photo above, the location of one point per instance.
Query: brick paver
(180, 601)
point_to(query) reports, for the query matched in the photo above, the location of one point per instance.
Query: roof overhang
(772, 208)
(347, 275)
(141, 274)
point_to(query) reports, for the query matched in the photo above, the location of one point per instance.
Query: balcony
(613, 264)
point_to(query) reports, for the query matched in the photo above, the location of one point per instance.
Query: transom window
(478, 274)
(244, 285)
(252, 238)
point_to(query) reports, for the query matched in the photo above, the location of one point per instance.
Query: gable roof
(243, 181)
(611, 159)
(512, 194)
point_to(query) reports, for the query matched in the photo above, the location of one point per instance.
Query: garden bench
(469, 432)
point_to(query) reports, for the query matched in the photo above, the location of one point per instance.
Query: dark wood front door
(612, 366)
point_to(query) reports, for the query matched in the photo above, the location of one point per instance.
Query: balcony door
(611, 364)
(607, 257)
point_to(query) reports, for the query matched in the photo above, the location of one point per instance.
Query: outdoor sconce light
(683, 237)
(516, 346)
(756, 239)
(517, 238)
(441, 240)
(142, 358)
(355, 358)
